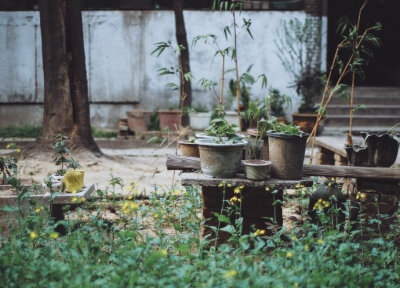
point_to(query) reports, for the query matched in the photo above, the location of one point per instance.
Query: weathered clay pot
(220, 160)
(253, 133)
(306, 122)
(357, 155)
(138, 120)
(286, 152)
(189, 149)
(382, 148)
(257, 169)
(169, 119)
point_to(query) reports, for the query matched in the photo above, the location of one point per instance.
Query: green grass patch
(101, 133)
(26, 131)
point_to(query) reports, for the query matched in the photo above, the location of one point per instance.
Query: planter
(356, 155)
(74, 180)
(169, 119)
(265, 152)
(189, 149)
(220, 160)
(200, 120)
(138, 120)
(286, 152)
(306, 122)
(257, 169)
(382, 148)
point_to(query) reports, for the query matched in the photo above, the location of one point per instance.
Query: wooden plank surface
(180, 163)
(200, 179)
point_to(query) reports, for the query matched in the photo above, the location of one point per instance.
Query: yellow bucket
(73, 180)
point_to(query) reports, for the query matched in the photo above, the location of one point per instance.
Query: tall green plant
(299, 49)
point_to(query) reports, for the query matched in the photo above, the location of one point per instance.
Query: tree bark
(181, 39)
(66, 101)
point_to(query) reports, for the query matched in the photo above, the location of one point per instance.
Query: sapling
(62, 157)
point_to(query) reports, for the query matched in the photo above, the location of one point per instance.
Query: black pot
(356, 155)
(382, 148)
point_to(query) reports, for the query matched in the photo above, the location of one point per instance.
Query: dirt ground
(133, 161)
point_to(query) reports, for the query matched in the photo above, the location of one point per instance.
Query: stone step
(343, 109)
(363, 120)
(372, 95)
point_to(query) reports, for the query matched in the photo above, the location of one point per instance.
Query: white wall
(119, 65)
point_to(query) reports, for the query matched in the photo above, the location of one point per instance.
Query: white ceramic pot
(200, 120)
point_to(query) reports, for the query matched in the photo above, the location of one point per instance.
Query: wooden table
(260, 204)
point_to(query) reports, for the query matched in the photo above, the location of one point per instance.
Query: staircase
(382, 111)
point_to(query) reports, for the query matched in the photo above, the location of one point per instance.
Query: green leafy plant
(62, 155)
(299, 50)
(277, 102)
(222, 130)
(287, 129)
(255, 111)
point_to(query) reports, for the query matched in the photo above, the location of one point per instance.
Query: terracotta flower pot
(169, 119)
(138, 120)
(306, 122)
(189, 149)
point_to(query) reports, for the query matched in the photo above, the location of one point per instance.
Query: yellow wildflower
(306, 247)
(129, 207)
(235, 199)
(236, 190)
(258, 232)
(296, 285)
(164, 252)
(37, 210)
(229, 185)
(267, 189)
(53, 235)
(156, 215)
(230, 273)
(220, 184)
(74, 199)
(289, 254)
(294, 238)
(176, 192)
(320, 241)
(33, 235)
(130, 197)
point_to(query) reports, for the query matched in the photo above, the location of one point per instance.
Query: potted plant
(255, 168)
(299, 50)
(287, 145)
(138, 120)
(276, 102)
(221, 156)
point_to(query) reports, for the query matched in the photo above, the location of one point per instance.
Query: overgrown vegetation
(157, 243)
(26, 131)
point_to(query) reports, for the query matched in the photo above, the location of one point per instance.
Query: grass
(30, 131)
(26, 131)
(157, 243)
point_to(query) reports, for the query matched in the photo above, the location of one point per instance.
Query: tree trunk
(66, 101)
(182, 40)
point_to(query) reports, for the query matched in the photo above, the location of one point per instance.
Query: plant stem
(221, 91)
(235, 58)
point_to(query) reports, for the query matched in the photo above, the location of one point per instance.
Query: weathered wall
(121, 70)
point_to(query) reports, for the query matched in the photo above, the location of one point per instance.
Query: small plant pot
(286, 152)
(138, 120)
(220, 160)
(74, 180)
(257, 169)
(306, 122)
(253, 133)
(189, 149)
(200, 120)
(169, 119)
(382, 148)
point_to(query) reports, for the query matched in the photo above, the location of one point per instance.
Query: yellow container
(73, 180)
